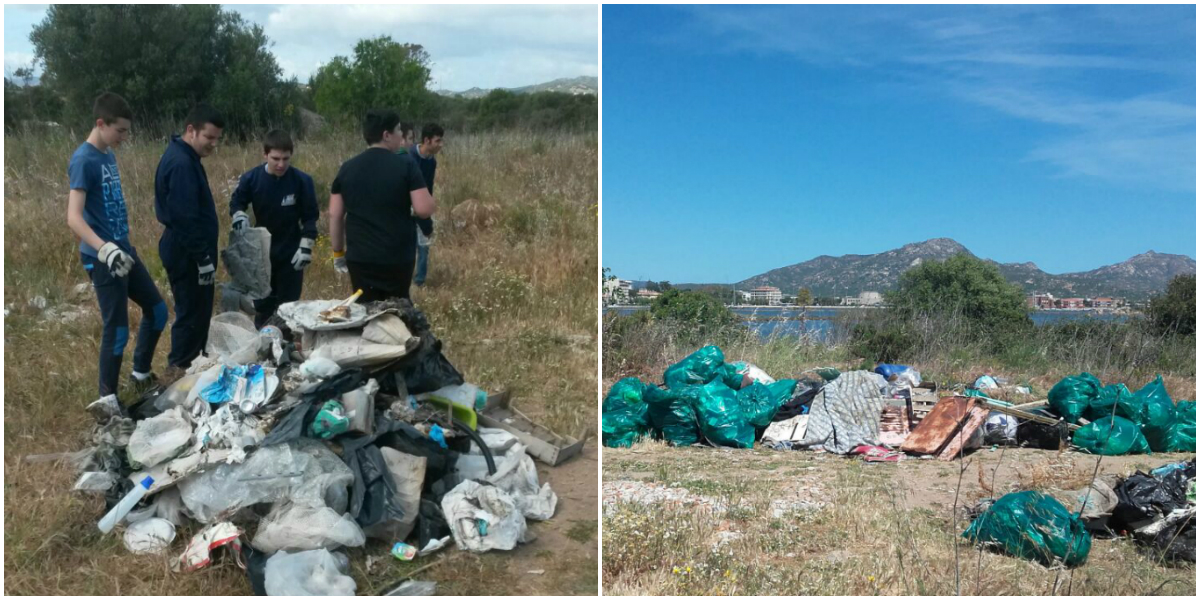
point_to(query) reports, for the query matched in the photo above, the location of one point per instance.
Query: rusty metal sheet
(938, 426)
(955, 445)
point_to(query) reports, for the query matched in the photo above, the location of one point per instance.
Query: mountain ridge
(570, 85)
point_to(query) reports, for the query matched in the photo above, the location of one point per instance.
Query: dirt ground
(722, 521)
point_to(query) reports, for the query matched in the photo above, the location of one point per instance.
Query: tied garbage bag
(761, 402)
(1181, 437)
(699, 368)
(1111, 436)
(732, 374)
(722, 420)
(625, 418)
(1158, 413)
(1143, 498)
(1114, 400)
(1070, 397)
(1033, 526)
(672, 414)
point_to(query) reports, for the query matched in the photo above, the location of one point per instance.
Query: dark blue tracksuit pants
(113, 295)
(193, 310)
(286, 283)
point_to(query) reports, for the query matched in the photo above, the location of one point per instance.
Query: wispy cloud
(1116, 84)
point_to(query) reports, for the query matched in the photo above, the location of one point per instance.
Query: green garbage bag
(331, 421)
(1115, 399)
(624, 417)
(781, 391)
(731, 376)
(722, 420)
(699, 368)
(827, 373)
(1158, 413)
(1070, 397)
(1111, 436)
(1033, 526)
(757, 404)
(671, 414)
(1181, 437)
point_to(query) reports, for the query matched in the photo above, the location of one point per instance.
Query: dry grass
(885, 529)
(515, 305)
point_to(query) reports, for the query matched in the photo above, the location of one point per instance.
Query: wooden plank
(938, 426)
(954, 448)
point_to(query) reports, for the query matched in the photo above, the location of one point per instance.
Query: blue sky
(470, 45)
(742, 139)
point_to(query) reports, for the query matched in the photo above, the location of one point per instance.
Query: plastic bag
(624, 415)
(308, 573)
(1142, 498)
(802, 397)
(1000, 428)
(1115, 400)
(1034, 526)
(1181, 437)
(294, 527)
(483, 517)
(672, 415)
(248, 260)
(1070, 397)
(1158, 413)
(408, 476)
(761, 402)
(901, 375)
(304, 471)
(160, 438)
(732, 375)
(1111, 436)
(233, 339)
(722, 420)
(699, 368)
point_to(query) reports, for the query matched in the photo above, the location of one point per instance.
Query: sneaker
(141, 386)
(171, 375)
(105, 408)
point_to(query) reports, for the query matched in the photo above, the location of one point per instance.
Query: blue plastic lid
(147, 482)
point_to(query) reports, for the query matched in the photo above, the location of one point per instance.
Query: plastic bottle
(465, 395)
(126, 504)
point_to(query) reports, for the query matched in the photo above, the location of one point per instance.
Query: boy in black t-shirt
(372, 204)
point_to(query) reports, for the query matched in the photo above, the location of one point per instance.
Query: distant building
(864, 299)
(763, 295)
(1103, 302)
(648, 294)
(1070, 303)
(1042, 301)
(617, 291)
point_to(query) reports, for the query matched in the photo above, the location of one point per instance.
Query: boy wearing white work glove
(284, 201)
(96, 213)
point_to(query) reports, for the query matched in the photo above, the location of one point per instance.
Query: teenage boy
(285, 202)
(96, 214)
(425, 154)
(183, 203)
(372, 204)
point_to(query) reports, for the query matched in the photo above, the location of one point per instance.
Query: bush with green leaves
(1175, 311)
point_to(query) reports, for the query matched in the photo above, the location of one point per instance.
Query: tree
(698, 310)
(1175, 311)
(961, 286)
(804, 297)
(161, 58)
(382, 74)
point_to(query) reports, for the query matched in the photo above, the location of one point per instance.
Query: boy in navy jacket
(285, 202)
(425, 155)
(183, 203)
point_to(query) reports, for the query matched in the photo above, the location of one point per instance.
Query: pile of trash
(1157, 510)
(335, 423)
(1117, 421)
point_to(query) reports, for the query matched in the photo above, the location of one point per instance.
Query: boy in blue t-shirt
(285, 202)
(96, 214)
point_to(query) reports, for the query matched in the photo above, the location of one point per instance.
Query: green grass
(515, 305)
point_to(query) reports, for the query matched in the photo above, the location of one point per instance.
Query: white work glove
(208, 274)
(303, 254)
(424, 240)
(339, 265)
(241, 220)
(118, 261)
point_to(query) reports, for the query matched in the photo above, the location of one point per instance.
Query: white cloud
(15, 60)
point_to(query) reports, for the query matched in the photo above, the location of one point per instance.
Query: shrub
(1175, 311)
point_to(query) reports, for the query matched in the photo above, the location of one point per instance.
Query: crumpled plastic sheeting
(383, 340)
(292, 527)
(223, 429)
(483, 517)
(248, 260)
(306, 315)
(308, 573)
(516, 473)
(304, 471)
(160, 438)
(845, 414)
(233, 338)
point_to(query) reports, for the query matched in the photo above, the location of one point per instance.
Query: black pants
(286, 283)
(193, 310)
(113, 295)
(380, 282)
